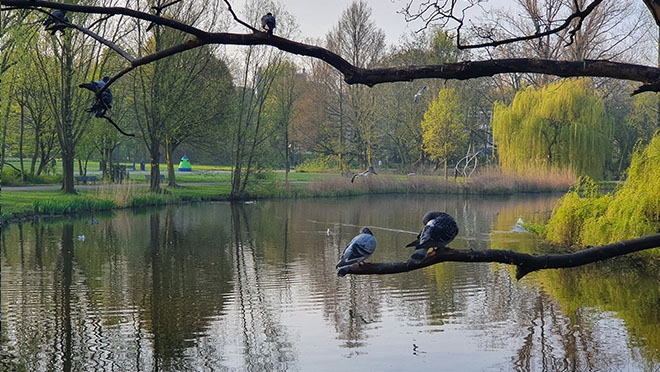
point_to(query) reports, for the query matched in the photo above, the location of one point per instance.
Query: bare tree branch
(579, 15)
(525, 263)
(117, 126)
(103, 41)
(231, 10)
(648, 76)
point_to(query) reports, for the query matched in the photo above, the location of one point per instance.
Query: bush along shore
(24, 205)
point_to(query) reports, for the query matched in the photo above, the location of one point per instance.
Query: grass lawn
(194, 186)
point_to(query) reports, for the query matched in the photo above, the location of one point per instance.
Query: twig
(117, 126)
(238, 19)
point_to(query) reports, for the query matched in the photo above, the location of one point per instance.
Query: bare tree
(357, 38)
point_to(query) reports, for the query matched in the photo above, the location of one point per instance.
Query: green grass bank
(211, 186)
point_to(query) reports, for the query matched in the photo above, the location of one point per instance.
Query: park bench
(86, 179)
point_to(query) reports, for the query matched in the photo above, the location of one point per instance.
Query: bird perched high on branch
(102, 103)
(268, 23)
(56, 21)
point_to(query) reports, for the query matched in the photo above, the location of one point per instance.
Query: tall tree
(357, 39)
(203, 106)
(286, 90)
(169, 108)
(400, 107)
(66, 59)
(444, 131)
(258, 70)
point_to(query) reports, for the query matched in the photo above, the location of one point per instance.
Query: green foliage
(443, 127)
(319, 164)
(561, 126)
(589, 218)
(636, 119)
(580, 204)
(10, 177)
(150, 200)
(71, 206)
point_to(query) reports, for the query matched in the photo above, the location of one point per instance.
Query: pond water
(252, 287)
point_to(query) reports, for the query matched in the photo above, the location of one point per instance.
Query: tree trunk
(20, 143)
(67, 173)
(171, 176)
(67, 142)
(35, 154)
(236, 172)
(154, 152)
(287, 160)
(525, 263)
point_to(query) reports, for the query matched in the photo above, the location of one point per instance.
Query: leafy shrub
(585, 217)
(319, 164)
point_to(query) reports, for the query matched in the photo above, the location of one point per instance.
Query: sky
(317, 17)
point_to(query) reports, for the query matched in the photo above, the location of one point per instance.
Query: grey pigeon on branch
(268, 23)
(439, 230)
(56, 21)
(103, 103)
(358, 250)
(95, 86)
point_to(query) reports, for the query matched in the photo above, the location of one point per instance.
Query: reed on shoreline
(32, 204)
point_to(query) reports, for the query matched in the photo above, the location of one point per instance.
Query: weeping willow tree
(563, 125)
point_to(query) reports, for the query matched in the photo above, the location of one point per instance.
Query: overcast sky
(317, 17)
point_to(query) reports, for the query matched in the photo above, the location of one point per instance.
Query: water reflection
(226, 287)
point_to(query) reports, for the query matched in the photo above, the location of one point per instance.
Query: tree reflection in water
(264, 338)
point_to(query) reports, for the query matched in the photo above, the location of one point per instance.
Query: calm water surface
(252, 287)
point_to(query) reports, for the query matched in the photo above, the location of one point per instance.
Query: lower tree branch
(525, 263)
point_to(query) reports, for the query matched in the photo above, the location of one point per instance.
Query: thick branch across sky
(647, 75)
(525, 263)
